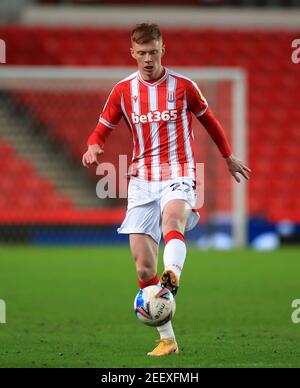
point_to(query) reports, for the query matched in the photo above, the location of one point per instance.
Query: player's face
(148, 57)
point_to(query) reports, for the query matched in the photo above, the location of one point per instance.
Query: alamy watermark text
(2, 311)
(2, 51)
(296, 51)
(296, 313)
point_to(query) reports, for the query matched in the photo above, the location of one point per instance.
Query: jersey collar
(159, 81)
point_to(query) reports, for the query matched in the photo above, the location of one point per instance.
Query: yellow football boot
(164, 347)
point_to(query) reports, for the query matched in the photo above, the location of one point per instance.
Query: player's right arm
(108, 120)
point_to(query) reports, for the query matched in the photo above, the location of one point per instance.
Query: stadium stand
(21, 187)
(273, 121)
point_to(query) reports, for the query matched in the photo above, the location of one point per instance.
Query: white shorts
(146, 202)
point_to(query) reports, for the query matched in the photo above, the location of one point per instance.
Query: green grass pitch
(73, 307)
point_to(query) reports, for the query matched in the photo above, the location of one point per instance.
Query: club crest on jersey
(202, 96)
(171, 96)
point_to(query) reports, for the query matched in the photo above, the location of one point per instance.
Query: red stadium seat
(22, 188)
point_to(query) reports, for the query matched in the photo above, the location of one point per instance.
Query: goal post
(224, 88)
(238, 78)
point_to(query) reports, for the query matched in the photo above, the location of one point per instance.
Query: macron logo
(155, 116)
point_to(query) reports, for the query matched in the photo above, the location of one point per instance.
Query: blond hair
(145, 32)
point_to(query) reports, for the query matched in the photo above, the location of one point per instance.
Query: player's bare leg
(145, 253)
(174, 219)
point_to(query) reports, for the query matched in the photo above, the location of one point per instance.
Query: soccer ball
(154, 305)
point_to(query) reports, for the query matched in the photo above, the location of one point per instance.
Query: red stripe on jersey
(128, 108)
(191, 139)
(163, 133)
(181, 153)
(192, 143)
(144, 110)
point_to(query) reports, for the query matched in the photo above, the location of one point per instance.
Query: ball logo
(296, 312)
(160, 311)
(154, 116)
(296, 52)
(144, 311)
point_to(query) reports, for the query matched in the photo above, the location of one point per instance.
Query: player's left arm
(198, 105)
(109, 118)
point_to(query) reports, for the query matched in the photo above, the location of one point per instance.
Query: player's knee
(173, 223)
(145, 266)
(146, 273)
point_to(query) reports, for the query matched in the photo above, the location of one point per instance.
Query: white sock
(174, 255)
(166, 331)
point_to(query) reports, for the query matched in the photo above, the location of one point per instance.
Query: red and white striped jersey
(159, 115)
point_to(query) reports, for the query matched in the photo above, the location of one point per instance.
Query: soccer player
(157, 105)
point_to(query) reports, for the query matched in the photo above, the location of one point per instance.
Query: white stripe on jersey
(106, 102)
(172, 72)
(128, 78)
(101, 120)
(202, 112)
(153, 106)
(135, 101)
(129, 123)
(173, 157)
(187, 140)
